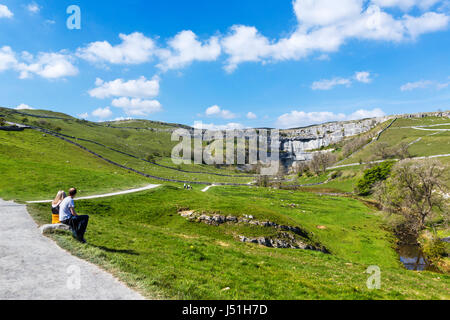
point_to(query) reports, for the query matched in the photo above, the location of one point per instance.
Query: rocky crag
(300, 144)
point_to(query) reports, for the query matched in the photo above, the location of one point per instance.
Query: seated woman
(55, 206)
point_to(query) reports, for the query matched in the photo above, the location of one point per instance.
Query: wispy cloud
(33, 7)
(328, 84)
(218, 112)
(423, 84)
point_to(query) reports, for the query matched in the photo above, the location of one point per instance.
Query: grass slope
(140, 143)
(143, 240)
(423, 142)
(34, 166)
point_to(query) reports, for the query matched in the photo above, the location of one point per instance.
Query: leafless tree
(403, 151)
(382, 150)
(321, 161)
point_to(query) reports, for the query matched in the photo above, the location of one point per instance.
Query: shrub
(2, 122)
(372, 176)
(434, 250)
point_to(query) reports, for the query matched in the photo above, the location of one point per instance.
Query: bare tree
(403, 151)
(382, 150)
(415, 189)
(314, 164)
(321, 161)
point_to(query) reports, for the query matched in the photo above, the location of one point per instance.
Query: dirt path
(150, 186)
(34, 267)
(380, 161)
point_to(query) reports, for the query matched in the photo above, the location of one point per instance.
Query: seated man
(68, 216)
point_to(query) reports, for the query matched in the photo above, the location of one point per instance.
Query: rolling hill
(188, 244)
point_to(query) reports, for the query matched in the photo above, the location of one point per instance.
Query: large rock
(48, 228)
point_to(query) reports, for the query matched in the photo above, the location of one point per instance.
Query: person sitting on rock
(60, 196)
(68, 216)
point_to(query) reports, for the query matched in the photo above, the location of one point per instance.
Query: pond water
(413, 258)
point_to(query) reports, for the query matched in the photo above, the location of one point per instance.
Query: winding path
(33, 267)
(150, 186)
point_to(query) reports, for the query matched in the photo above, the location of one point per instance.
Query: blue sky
(227, 63)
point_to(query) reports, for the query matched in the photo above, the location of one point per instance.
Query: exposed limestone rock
(48, 228)
(283, 240)
(286, 241)
(296, 145)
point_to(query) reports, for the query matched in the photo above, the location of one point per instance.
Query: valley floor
(143, 240)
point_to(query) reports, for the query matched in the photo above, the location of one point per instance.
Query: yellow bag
(55, 219)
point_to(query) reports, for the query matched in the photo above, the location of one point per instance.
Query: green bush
(2, 122)
(372, 176)
(434, 250)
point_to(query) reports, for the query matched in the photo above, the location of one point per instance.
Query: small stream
(410, 252)
(413, 258)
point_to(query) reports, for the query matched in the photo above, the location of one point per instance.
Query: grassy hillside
(141, 143)
(143, 240)
(428, 142)
(34, 166)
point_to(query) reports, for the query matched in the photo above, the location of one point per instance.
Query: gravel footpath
(33, 267)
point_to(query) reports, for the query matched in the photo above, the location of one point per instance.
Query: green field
(139, 143)
(143, 240)
(34, 166)
(402, 131)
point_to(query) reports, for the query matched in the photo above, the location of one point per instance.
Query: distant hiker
(185, 186)
(60, 196)
(68, 216)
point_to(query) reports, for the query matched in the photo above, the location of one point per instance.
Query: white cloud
(428, 22)
(363, 114)
(326, 12)
(185, 48)
(136, 106)
(5, 12)
(406, 4)
(134, 49)
(251, 116)
(212, 126)
(300, 118)
(323, 27)
(216, 111)
(102, 113)
(83, 115)
(139, 88)
(363, 77)
(24, 106)
(33, 7)
(423, 84)
(48, 65)
(7, 58)
(330, 84)
(416, 85)
(122, 119)
(245, 44)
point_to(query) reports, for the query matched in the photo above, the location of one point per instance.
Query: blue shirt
(64, 209)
